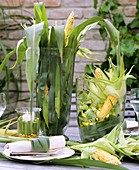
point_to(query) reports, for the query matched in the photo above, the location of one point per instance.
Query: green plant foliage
(8, 75)
(129, 38)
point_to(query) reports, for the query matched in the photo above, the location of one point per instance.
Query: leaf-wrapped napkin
(40, 144)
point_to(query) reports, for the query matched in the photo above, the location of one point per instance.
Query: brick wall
(58, 11)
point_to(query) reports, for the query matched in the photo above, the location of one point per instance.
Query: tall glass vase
(54, 89)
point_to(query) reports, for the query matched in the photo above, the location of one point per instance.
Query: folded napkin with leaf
(40, 144)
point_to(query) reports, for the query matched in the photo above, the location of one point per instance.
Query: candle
(27, 117)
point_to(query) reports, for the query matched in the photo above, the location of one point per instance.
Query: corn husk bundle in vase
(58, 47)
(101, 101)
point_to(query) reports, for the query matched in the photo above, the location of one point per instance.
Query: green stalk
(23, 127)
(35, 126)
(29, 127)
(19, 125)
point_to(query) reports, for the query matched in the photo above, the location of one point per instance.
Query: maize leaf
(59, 33)
(57, 90)
(45, 110)
(33, 35)
(7, 58)
(40, 16)
(84, 163)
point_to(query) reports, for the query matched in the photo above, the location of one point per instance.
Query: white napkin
(25, 146)
(57, 142)
(20, 146)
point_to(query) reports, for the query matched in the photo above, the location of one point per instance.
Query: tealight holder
(28, 125)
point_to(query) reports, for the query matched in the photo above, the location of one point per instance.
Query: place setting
(54, 149)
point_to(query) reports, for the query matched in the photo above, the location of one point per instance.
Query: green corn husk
(114, 142)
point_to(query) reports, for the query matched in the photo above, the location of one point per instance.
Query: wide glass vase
(54, 89)
(88, 109)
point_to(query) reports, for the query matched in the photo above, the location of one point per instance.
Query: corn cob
(8, 132)
(110, 101)
(98, 73)
(68, 27)
(107, 106)
(105, 157)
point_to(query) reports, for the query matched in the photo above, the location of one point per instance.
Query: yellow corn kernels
(105, 157)
(69, 27)
(107, 106)
(98, 72)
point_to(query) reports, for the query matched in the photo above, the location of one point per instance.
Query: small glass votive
(28, 125)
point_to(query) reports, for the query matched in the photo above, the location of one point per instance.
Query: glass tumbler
(28, 125)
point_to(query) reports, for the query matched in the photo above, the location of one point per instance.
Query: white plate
(61, 153)
(131, 124)
(132, 128)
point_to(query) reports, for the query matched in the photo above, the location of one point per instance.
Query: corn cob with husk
(104, 156)
(100, 102)
(98, 72)
(110, 101)
(69, 27)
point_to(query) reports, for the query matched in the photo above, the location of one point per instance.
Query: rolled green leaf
(19, 125)
(35, 126)
(40, 144)
(23, 127)
(29, 127)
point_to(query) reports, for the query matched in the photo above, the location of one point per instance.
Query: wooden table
(73, 134)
